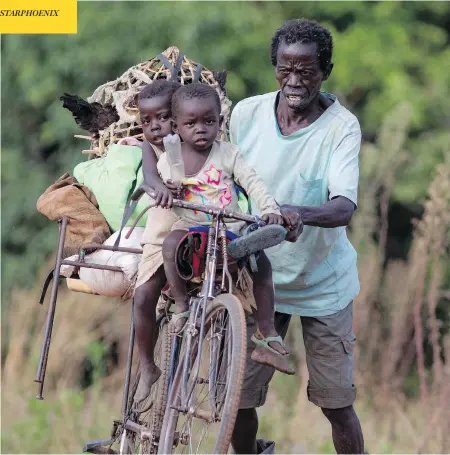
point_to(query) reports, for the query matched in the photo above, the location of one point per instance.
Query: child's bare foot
(271, 351)
(181, 315)
(149, 375)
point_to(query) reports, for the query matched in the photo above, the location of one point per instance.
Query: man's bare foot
(149, 375)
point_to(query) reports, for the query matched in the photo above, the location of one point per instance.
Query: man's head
(155, 110)
(301, 54)
(196, 113)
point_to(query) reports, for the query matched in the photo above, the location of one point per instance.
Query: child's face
(198, 122)
(155, 118)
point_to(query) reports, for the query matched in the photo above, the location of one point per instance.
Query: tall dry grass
(395, 323)
(69, 416)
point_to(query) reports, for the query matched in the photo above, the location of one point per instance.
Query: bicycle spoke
(209, 392)
(205, 422)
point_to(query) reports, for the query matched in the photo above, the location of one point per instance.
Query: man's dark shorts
(329, 343)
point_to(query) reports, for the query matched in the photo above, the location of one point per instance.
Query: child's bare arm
(163, 196)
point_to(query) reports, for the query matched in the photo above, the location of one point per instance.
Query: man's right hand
(293, 221)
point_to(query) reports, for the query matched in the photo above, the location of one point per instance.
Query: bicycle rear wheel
(146, 442)
(207, 425)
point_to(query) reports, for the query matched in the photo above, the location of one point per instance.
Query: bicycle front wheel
(205, 422)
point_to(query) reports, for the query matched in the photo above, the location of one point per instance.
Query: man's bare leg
(346, 430)
(243, 439)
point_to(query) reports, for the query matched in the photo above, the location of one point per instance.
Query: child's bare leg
(176, 283)
(145, 301)
(265, 318)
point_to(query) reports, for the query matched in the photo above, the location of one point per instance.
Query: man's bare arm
(334, 213)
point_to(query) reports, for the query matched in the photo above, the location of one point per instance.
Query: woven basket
(123, 94)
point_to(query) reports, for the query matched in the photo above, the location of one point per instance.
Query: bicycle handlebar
(207, 208)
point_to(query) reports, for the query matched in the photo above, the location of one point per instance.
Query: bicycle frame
(206, 295)
(55, 275)
(93, 446)
(216, 243)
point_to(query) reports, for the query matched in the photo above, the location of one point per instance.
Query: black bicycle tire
(236, 371)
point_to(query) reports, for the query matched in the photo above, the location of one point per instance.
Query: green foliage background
(385, 53)
(392, 69)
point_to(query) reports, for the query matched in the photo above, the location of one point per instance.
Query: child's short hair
(195, 90)
(160, 87)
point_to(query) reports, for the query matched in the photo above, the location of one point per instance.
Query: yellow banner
(38, 16)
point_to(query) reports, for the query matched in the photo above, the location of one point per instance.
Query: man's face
(298, 73)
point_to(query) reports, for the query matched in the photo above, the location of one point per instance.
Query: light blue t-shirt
(317, 275)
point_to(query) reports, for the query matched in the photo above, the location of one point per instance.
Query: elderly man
(305, 146)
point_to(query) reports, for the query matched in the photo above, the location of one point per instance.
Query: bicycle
(175, 396)
(205, 380)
